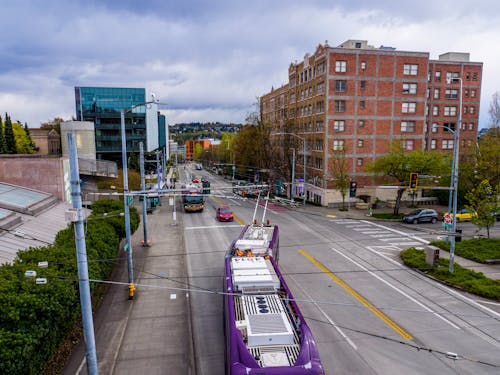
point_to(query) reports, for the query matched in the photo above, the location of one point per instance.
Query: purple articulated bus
(265, 332)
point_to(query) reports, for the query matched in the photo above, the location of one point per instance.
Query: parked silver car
(421, 215)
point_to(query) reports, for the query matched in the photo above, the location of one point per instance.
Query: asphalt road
(369, 313)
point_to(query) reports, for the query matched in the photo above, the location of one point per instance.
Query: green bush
(35, 319)
(471, 281)
(476, 249)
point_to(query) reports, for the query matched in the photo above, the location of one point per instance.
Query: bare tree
(494, 110)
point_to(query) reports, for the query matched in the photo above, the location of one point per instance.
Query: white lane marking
(383, 234)
(405, 243)
(398, 231)
(391, 239)
(349, 341)
(216, 226)
(394, 287)
(374, 232)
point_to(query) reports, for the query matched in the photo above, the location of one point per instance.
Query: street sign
(130, 199)
(447, 219)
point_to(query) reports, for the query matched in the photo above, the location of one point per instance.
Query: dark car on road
(421, 215)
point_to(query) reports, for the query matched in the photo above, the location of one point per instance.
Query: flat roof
(11, 195)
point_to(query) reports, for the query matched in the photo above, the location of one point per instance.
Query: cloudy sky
(209, 60)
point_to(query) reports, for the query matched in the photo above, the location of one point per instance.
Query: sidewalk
(150, 334)
(491, 271)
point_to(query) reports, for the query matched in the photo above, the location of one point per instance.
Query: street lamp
(304, 140)
(128, 244)
(456, 138)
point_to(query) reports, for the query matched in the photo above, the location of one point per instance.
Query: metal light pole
(305, 159)
(128, 245)
(292, 193)
(456, 139)
(81, 256)
(144, 197)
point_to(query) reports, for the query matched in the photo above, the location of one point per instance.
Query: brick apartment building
(359, 98)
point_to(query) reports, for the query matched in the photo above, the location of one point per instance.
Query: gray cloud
(212, 58)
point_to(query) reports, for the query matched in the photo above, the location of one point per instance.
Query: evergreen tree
(31, 143)
(8, 133)
(2, 143)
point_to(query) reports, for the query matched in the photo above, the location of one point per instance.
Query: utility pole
(292, 193)
(81, 256)
(145, 241)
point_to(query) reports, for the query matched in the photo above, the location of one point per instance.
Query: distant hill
(196, 130)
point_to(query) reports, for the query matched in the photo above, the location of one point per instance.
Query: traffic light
(352, 189)
(413, 181)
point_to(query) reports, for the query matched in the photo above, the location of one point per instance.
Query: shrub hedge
(476, 249)
(35, 319)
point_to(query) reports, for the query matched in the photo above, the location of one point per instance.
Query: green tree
(9, 138)
(339, 172)
(2, 140)
(27, 131)
(399, 163)
(483, 200)
(494, 110)
(198, 149)
(24, 145)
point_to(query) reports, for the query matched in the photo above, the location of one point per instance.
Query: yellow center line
(358, 296)
(236, 217)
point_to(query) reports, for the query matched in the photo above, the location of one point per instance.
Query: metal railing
(104, 168)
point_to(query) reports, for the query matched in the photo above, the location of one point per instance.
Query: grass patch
(471, 281)
(387, 215)
(476, 249)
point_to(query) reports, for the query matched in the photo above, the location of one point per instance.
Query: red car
(224, 213)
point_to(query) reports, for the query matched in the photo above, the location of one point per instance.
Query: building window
(319, 145)
(360, 162)
(448, 127)
(471, 109)
(408, 126)
(320, 107)
(407, 144)
(338, 145)
(474, 76)
(435, 127)
(292, 98)
(340, 85)
(467, 76)
(410, 69)
(409, 88)
(318, 163)
(363, 65)
(451, 94)
(340, 66)
(320, 68)
(339, 105)
(447, 144)
(361, 143)
(407, 107)
(319, 126)
(339, 125)
(437, 76)
(362, 104)
(433, 144)
(436, 93)
(450, 111)
(471, 126)
(465, 109)
(451, 76)
(320, 87)
(362, 84)
(472, 93)
(361, 123)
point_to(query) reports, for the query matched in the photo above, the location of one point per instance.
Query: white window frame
(408, 126)
(339, 125)
(338, 145)
(339, 106)
(340, 66)
(408, 107)
(434, 128)
(408, 144)
(433, 144)
(450, 111)
(409, 88)
(410, 69)
(361, 143)
(436, 93)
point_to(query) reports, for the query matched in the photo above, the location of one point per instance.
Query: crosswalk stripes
(390, 238)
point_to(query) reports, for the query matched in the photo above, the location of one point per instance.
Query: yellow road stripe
(358, 296)
(236, 217)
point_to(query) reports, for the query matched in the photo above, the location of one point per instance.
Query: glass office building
(102, 106)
